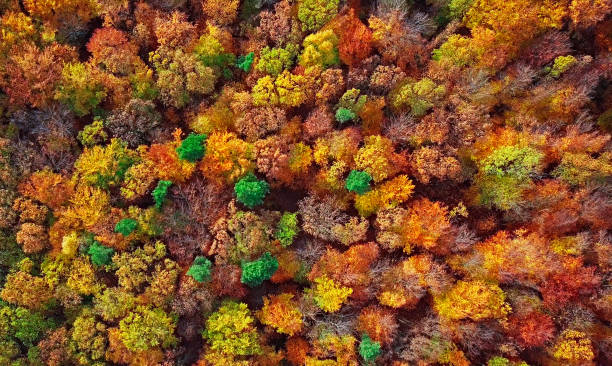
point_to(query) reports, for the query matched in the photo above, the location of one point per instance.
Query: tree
(160, 192)
(315, 13)
(573, 346)
(146, 328)
(358, 182)
(222, 12)
(99, 254)
(355, 40)
(320, 49)
(281, 313)
(201, 269)
(378, 323)
(287, 229)
(192, 148)
(344, 115)
(417, 96)
(228, 158)
(250, 191)
(378, 159)
(23, 289)
(505, 173)
(126, 226)
(257, 271)
(368, 349)
(32, 74)
(329, 295)
(474, 300)
(274, 60)
(79, 90)
(32, 237)
(244, 62)
(230, 330)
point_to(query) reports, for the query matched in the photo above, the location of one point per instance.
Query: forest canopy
(305, 182)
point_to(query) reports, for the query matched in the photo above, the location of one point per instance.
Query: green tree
(192, 148)
(250, 191)
(201, 269)
(358, 181)
(274, 60)
(126, 226)
(344, 115)
(244, 62)
(99, 254)
(160, 192)
(368, 349)
(257, 271)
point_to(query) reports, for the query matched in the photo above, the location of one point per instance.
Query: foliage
(472, 300)
(274, 60)
(368, 349)
(344, 115)
(329, 295)
(145, 328)
(160, 192)
(230, 330)
(421, 182)
(192, 148)
(250, 191)
(257, 271)
(315, 13)
(126, 226)
(99, 254)
(244, 62)
(282, 313)
(287, 228)
(200, 270)
(358, 182)
(78, 90)
(320, 49)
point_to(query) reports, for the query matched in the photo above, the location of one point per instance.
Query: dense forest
(305, 182)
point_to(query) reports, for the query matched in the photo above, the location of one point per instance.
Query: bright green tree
(344, 115)
(201, 269)
(99, 254)
(257, 271)
(244, 62)
(160, 192)
(358, 181)
(192, 148)
(126, 226)
(368, 349)
(250, 191)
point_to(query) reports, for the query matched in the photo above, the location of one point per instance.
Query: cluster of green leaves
(126, 226)
(192, 148)
(201, 269)
(358, 181)
(257, 271)
(160, 192)
(251, 191)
